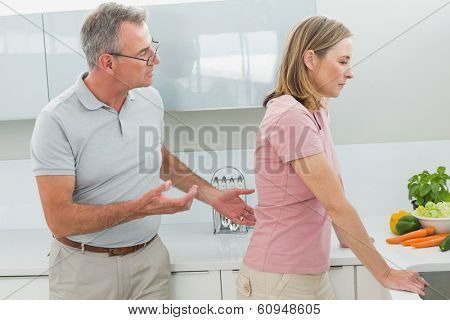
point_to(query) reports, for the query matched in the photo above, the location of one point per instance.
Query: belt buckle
(111, 252)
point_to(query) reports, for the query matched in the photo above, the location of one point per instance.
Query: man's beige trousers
(144, 274)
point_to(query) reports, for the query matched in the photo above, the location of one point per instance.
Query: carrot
(429, 243)
(411, 235)
(416, 240)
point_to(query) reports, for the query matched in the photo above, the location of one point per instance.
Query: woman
(298, 178)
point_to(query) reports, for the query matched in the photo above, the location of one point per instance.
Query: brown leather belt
(111, 251)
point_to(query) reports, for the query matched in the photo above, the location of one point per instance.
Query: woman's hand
(406, 280)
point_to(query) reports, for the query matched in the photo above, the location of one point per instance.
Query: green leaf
(441, 170)
(424, 190)
(435, 187)
(444, 195)
(414, 189)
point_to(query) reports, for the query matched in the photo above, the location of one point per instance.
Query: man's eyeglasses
(149, 61)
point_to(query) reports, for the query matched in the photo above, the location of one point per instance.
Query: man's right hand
(155, 202)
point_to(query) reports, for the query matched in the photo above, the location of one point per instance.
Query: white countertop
(193, 247)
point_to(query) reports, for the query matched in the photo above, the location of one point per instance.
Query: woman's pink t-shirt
(292, 231)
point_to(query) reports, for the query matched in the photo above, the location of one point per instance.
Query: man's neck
(105, 89)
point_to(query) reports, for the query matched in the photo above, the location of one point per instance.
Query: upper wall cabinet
(221, 54)
(23, 81)
(217, 54)
(65, 58)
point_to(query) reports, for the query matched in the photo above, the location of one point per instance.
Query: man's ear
(309, 59)
(105, 62)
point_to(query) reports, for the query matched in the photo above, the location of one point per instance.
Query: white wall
(401, 92)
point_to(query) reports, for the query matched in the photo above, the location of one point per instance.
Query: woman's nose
(349, 73)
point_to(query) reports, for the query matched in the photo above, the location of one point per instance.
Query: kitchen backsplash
(375, 178)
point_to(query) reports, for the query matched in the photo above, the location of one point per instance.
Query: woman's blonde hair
(316, 33)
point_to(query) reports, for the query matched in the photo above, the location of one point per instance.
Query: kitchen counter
(193, 247)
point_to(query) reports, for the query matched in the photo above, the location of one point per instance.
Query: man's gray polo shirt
(114, 156)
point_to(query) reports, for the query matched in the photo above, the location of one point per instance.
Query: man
(98, 182)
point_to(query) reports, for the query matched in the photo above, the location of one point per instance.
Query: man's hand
(228, 203)
(155, 202)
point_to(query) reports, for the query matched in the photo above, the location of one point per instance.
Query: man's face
(136, 42)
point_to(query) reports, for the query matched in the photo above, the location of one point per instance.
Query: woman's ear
(309, 59)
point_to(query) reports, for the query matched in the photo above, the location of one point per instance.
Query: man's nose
(156, 60)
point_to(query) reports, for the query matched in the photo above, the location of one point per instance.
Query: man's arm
(227, 202)
(65, 218)
(183, 178)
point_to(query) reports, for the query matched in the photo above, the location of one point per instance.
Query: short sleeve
(51, 153)
(295, 136)
(161, 104)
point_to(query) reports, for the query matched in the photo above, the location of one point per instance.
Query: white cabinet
(212, 285)
(367, 287)
(184, 286)
(229, 284)
(196, 285)
(24, 288)
(65, 57)
(342, 279)
(22, 63)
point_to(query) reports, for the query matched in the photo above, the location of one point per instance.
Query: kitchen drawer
(196, 285)
(341, 278)
(24, 288)
(229, 284)
(367, 287)
(343, 281)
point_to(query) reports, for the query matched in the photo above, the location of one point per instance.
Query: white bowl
(440, 224)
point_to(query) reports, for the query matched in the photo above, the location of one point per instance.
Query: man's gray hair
(100, 30)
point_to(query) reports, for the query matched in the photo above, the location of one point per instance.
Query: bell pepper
(394, 219)
(407, 224)
(445, 244)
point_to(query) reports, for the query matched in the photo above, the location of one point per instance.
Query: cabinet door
(367, 287)
(341, 278)
(24, 288)
(343, 281)
(23, 80)
(229, 284)
(201, 285)
(65, 57)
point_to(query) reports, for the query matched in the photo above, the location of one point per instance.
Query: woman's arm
(319, 177)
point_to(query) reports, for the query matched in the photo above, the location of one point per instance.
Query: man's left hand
(228, 203)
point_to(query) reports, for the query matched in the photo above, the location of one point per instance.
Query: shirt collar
(87, 98)
(131, 95)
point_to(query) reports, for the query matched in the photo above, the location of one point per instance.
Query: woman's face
(330, 73)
